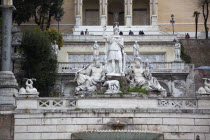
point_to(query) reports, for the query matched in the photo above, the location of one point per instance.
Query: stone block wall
(199, 51)
(6, 127)
(61, 125)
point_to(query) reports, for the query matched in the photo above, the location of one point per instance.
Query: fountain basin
(118, 135)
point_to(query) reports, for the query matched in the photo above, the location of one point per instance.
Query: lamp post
(172, 21)
(58, 19)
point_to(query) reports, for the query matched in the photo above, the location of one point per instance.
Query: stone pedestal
(103, 20)
(154, 20)
(8, 87)
(128, 20)
(78, 20)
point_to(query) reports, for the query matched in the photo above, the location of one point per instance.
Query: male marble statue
(88, 78)
(136, 49)
(153, 84)
(135, 74)
(96, 50)
(55, 48)
(115, 53)
(177, 51)
(140, 77)
(206, 89)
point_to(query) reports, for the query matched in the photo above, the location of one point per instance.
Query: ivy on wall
(186, 58)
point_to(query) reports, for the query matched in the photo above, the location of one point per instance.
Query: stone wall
(6, 127)
(59, 118)
(175, 126)
(199, 51)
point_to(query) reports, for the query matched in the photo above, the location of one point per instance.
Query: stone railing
(180, 103)
(127, 38)
(46, 103)
(156, 67)
(68, 67)
(56, 103)
(174, 67)
(61, 103)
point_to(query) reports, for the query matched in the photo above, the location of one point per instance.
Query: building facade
(130, 13)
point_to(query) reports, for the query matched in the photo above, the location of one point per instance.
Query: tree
(186, 58)
(196, 15)
(41, 11)
(39, 60)
(204, 4)
(55, 36)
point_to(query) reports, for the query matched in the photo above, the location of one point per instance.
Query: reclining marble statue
(140, 77)
(206, 89)
(88, 78)
(29, 90)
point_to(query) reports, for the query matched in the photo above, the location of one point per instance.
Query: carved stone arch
(69, 89)
(165, 86)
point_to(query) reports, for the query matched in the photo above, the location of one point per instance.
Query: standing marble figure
(115, 53)
(136, 49)
(177, 51)
(96, 50)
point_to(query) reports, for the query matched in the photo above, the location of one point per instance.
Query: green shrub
(77, 109)
(138, 89)
(39, 60)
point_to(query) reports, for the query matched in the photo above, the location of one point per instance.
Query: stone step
(99, 30)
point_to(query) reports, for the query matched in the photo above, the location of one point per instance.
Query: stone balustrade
(156, 67)
(128, 102)
(127, 38)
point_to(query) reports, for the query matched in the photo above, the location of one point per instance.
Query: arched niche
(141, 12)
(91, 12)
(116, 12)
(69, 89)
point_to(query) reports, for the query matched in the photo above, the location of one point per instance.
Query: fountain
(110, 76)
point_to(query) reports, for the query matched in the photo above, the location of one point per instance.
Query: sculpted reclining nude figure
(88, 78)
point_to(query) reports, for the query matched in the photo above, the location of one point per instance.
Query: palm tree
(196, 15)
(204, 5)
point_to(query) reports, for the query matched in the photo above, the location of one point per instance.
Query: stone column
(6, 38)
(103, 12)
(8, 83)
(128, 12)
(78, 12)
(153, 7)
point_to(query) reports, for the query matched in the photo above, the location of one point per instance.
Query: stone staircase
(99, 30)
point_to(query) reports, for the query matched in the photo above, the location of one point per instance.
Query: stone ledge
(7, 107)
(107, 110)
(114, 97)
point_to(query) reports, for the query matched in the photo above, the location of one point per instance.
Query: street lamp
(172, 21)
(58, 19)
